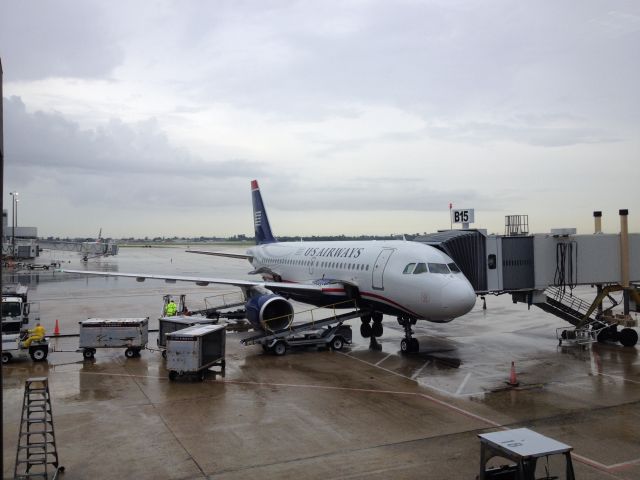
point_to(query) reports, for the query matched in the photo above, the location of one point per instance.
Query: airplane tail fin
(260, 219)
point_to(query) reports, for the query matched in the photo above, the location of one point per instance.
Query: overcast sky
(357, 117)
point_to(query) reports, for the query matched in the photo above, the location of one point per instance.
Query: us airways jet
(408, 280)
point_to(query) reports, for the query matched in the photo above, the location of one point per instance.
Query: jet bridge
(86, 249)
(543, 269)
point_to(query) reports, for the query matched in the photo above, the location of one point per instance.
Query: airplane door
(377, 280)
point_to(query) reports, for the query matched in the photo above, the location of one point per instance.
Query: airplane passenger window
(367, 267)
(409, 268)
(420, 268)
(453, 267)
(438, 268)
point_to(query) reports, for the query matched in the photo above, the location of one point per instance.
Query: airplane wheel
(6, 357)
(365, 330)
(280, 348)
(404, 345)
(376, 329)
(88, 353)
(414, 344)
(628, 337)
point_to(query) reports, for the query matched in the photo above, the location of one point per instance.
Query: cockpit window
(409, 268)
(453, 267)
(420, 268)
(438, 268)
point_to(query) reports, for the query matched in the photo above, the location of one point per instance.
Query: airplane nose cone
(458, 298)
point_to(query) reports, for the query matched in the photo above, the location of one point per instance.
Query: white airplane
(408, 280)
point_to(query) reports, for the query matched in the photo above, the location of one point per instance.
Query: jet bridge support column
(597, 219)
(624, 257)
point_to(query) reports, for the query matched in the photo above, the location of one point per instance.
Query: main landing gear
(372, 330)
(408, 344)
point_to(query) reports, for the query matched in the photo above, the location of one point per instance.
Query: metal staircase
(566, 306)
(37, 455)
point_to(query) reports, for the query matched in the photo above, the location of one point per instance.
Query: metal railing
(569, 301)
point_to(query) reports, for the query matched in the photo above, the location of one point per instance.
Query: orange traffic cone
(56, 330)
(513, 381)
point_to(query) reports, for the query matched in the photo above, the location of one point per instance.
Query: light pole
(14, 207)
(14, 220)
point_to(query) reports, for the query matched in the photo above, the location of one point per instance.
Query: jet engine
(269, 312)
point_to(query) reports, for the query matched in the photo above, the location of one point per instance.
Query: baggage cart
(193, 350)
(131, 333)
(172, 324)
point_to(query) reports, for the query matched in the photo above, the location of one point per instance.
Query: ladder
(37, 440)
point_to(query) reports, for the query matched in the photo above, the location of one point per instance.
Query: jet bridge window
(409, 268)
(438, 268)
(420, 268)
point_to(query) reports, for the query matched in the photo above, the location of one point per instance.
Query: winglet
(260, 219)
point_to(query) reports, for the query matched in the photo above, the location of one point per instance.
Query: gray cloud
(64, 38)
(49, 140)
(118, 164)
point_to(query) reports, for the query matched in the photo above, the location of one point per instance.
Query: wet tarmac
(318, 414)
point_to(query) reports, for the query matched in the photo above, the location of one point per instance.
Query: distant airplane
(408, 280)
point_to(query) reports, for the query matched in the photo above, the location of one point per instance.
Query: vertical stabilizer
(260, 219)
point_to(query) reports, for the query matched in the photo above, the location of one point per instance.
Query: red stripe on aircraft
(384, 299)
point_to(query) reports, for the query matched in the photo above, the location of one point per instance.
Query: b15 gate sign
(465, 215)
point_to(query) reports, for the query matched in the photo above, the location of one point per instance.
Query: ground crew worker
(36, 334)
(171, 309)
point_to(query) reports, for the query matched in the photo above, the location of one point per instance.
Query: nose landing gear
(408, 344)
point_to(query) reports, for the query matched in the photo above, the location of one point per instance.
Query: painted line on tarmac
(319, 387)
(619, 466)
(624, 379)
(119, 375)
(419, 371)
(463, 384)
(379, 362)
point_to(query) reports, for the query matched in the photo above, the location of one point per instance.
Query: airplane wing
(204, 281)
(222, 254)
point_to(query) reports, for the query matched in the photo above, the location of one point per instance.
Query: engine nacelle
(269, 312)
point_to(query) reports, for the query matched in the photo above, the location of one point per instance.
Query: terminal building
(19, 242)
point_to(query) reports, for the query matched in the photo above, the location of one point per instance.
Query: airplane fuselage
(394, 277)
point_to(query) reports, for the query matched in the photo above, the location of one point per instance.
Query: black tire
(628, 337)
(376, 329)
(39, 354)
(414, 345)
(129, 353)
(6, 357)
(365, 330)
(173, 375)
(202, 375)
(164, 354)
(88, 353)
(404, 346)
(280, 348)
(337, 343)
